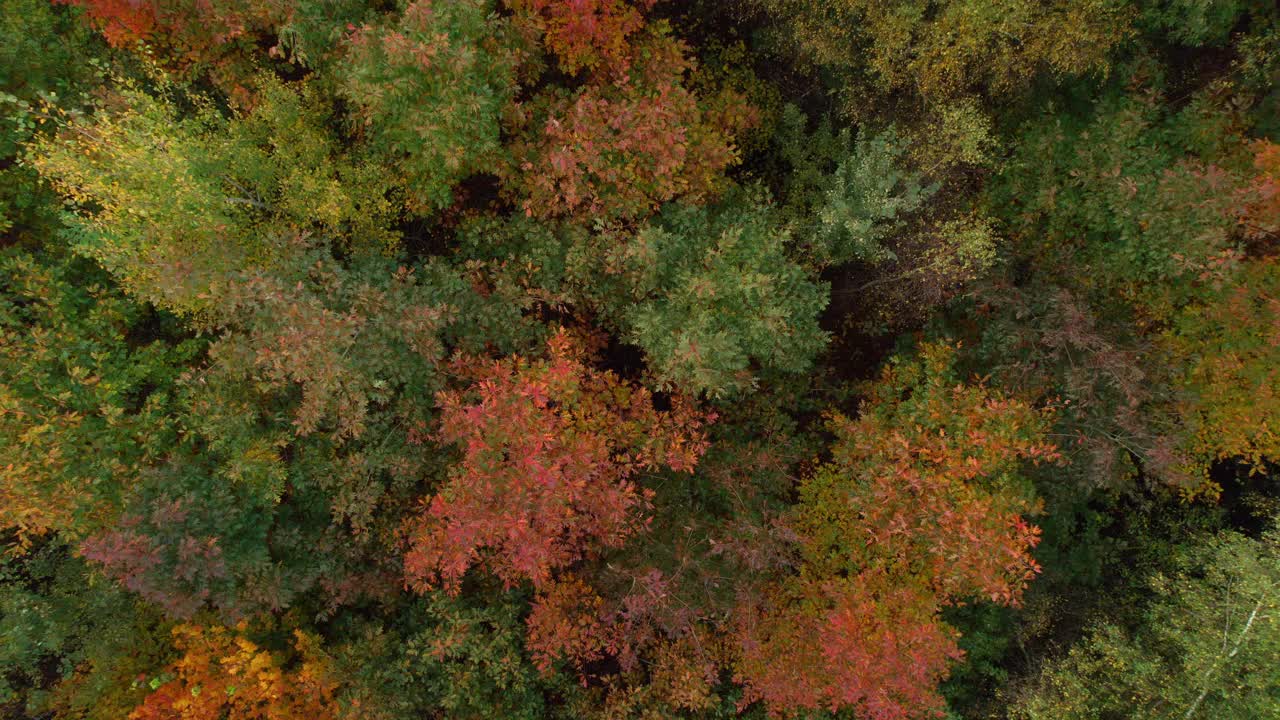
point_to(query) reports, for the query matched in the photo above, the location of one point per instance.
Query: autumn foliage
(550, 453)
(920, 508)
(639, 359)
(223, 675)
(586, 34)
(191, 27)
(620, 147)
(1260, 215)
(121, 21)
(1231, 382)
(194, 37)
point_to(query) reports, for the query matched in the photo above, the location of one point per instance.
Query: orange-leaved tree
(223, 675)
(920, 507)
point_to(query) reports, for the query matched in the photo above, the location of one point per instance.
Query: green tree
(940, 49)
(846, 198)
(87, 394)
(1206, 647)
(47, 59)
(429, 87)
(715, 296)
(59, 622)
(175, 205)
(441, 653)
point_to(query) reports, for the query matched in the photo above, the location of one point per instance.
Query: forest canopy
(639, 359)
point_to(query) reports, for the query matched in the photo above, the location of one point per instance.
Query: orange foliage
(1229, 353)
(870, 643)
(918, 509)
(225, 676)
(1260, 217)
(566, 623)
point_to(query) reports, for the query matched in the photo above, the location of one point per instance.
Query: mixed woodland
(639, 359)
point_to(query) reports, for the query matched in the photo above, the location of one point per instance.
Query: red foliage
(176, 578)
(549, 450)
(122, 22)
(127, 555)
(590, 34)
(869, 643)
(622, 149)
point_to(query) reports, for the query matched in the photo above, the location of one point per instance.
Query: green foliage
(1128, 194)
(430, 87)
(188, 542)
(1192, 22)
(847, 197)
(863, 200)
(959, 135)
(87, 387)
(57, 620)
(445, 654)
(174, 206)
(37, 66)
(715, 296)
(1207, 645)
(708, 293)
(314, 33)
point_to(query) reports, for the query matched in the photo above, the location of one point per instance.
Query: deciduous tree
(429, 88)
(223, 674)
(620, 147)
(550, 454)
(920, 507)
(590, 35)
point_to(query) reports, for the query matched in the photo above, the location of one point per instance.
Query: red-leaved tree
(550, 450)
(121, 22)
(585, 34)
(622, 146)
